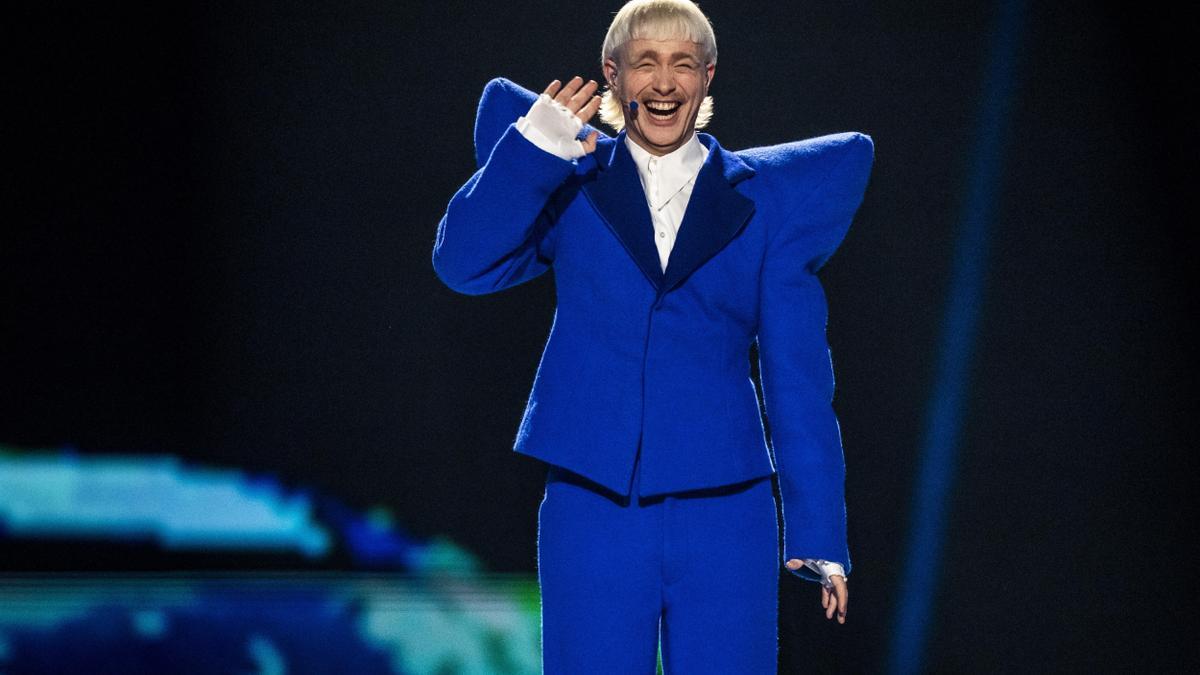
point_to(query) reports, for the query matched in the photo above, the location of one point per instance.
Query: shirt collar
(663, 177)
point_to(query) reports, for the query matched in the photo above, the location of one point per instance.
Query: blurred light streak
(939, 446)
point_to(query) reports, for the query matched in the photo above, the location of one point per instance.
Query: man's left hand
(833, 600)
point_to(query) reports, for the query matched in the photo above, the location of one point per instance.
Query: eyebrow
(653, 55)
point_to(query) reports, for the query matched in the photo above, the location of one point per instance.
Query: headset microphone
(633, 109)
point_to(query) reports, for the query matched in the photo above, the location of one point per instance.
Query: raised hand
(580, 99)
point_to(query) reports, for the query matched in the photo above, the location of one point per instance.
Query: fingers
(841, 596)
(837, 599)
(576, 96)
(569, 90)
(589, 111)
(583, 97)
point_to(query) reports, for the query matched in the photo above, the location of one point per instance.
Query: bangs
(660, 20)
(666, 27)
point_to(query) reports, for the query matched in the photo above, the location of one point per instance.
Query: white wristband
(826, 569)
(552, 127)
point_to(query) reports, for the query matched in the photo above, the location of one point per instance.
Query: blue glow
(67, 495)
(444, 614)
(270, 623)
(939, 446)
(63, 494)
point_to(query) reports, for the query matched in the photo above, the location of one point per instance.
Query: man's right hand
(579, 98)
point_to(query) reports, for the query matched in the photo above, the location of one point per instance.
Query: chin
(664, 137)
(664, 140)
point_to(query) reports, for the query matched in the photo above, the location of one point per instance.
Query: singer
(672, 256)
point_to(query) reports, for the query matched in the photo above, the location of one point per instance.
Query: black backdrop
(218, 246)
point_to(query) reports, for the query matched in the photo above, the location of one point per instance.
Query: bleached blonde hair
(656, 20)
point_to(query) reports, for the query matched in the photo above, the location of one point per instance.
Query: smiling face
(669, 81)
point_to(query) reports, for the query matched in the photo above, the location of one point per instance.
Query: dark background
(218, 247)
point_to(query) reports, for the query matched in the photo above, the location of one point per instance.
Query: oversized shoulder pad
(823, 180)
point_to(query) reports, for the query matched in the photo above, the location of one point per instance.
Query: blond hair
(656, 20)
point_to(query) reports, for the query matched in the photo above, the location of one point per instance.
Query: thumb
(589, 143)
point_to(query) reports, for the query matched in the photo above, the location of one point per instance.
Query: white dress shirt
(667, 181)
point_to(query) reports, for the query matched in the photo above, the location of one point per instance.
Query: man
(670, 254)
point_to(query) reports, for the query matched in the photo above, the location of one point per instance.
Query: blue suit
(649, 370)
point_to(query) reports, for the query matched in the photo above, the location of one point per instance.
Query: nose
(664, 81)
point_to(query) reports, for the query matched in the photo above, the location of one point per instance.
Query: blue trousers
(701, 568)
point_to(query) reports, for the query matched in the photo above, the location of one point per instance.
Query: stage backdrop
(224, 348)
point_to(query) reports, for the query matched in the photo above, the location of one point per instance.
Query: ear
(610, 73)
(711, 69)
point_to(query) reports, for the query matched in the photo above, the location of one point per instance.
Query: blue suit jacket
(636, 355)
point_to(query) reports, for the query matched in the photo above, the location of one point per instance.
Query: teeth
(661, 105)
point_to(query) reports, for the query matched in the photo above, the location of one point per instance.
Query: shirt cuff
(826, 569)
(552, 127)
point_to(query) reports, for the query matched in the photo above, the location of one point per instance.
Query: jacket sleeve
(493, 233)
(795, 362)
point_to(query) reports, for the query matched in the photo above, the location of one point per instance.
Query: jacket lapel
(714, 214)
(618, 197)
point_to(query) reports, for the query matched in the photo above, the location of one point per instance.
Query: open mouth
(663, 110)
